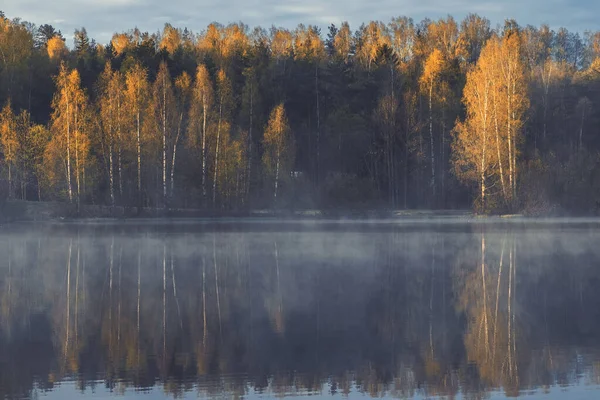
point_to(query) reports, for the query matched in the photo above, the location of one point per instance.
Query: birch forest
(397, 114)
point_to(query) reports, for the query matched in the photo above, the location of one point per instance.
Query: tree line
(434, 114)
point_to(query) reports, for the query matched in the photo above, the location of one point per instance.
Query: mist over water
(333, 309)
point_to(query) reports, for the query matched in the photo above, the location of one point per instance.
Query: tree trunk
(431, 141)
(580, 128)
(175, 153)
(9, 180)
(119, 150)
(110, 174)
(205, 106)
(216, 174)
(318, 123)
(77, 166)
(249, 168)
(164, 143)
(69, 189)
(139, 159)
(498, 147)
(276, 177)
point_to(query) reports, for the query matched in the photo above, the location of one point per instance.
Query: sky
(102, 18)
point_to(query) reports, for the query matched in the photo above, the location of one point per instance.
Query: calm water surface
(264, 309)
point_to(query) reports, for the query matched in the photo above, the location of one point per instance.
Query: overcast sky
(102, 18)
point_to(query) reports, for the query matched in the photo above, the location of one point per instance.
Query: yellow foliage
(171, 39)
(281, 43)
(56, 48)
(120, 42)
(235, 41)
(276, 139)
(8, 133)
(308, 44)
(342, 42)
(432, 70)
(373, 37)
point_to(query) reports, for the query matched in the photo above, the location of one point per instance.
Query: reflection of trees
(488, 299)
(393, 313)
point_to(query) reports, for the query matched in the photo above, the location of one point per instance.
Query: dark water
(261, 309)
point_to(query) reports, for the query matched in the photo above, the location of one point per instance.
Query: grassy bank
(18, 210)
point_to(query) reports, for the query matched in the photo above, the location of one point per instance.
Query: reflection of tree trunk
(431, 299)
(110, 285)
(119, 295)
(9, 291)
(509, 319)
(204, 334)
(217, 286)
(68, 306)
(514, 334)
(164, 303)
(497, 301)
(279, 296)
(77, 296)
(483, 283)
(139, 290)
(175, 291)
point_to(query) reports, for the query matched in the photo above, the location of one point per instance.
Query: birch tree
(201, 104)
(112, 102)
(164, 113)
(223, 104)
(277, 147)
(9, 141)
(68, 121)
(472, 145)
(183, 85)
(136, 92)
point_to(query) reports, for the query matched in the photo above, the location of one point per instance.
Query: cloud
(102, 17)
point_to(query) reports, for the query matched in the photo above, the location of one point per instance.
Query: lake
(258, 308)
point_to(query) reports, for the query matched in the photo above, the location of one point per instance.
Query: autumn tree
(514, 86)
(16, 49)
(10, 143)
(485, 144)
(163, 105)
(136, 97)
(56, 48)
(429, 81)
(33, 143)
(472, 147)
(69, 124)
(223, 97)
(183, 87)
(171, 39)
(113, 122)
(277, 156)
(200, 108)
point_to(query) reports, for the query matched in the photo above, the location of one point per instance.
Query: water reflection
(285, 309)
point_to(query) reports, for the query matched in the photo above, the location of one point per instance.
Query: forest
(392, 115)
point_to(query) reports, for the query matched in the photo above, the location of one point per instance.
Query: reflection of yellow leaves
(432, 367)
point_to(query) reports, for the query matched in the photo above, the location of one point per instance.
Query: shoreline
(34, 211)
